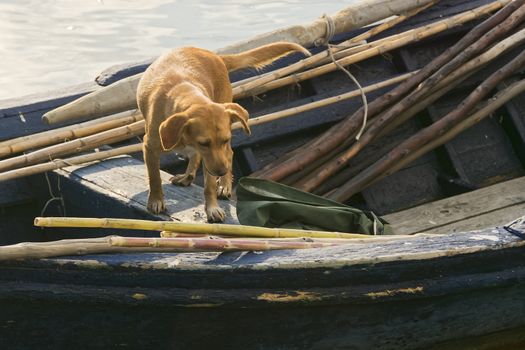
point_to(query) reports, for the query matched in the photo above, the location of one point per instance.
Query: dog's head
(207, 129)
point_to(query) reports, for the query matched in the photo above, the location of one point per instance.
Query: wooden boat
(460, 287)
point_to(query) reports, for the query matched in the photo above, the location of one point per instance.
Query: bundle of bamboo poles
(181, 237)
(321, 165)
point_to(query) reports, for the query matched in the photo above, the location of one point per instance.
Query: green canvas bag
(270, 204)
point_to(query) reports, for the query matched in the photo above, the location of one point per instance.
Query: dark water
(47, 44)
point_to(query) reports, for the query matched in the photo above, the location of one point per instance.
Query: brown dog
(186, 99)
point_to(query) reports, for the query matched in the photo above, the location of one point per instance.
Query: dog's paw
(215, 214)
(224, 187)
(156, 206)
(224, 192)
(182, 180)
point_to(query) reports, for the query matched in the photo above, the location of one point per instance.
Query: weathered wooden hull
(358, 297)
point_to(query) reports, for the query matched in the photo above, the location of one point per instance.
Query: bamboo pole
(67, 133)
(212, 229)
(118, 244)
(217, 244)
(277, 80)
(486, 110)
(62, 163)
(244, 88)
(426, 135)
(340, 131)
(81, 144)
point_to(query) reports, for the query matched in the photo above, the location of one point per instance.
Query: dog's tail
(261, 56)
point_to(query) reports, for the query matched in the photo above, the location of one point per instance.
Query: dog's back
(197, 66)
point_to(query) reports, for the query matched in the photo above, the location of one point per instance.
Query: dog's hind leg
(187, 178)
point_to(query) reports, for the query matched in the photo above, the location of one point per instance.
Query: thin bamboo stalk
(324, 102)
(368, 239)
(62, 163)
(241, 89)
(486, 110)
(424, 136)
(212, 229)
(71, 132)
(340, 131)
(274, 81)
(391, 114)
(81, 144)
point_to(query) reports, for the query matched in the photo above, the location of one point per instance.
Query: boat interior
(472, 182)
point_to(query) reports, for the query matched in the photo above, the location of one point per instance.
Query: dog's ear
(238, 114)
(171, 130)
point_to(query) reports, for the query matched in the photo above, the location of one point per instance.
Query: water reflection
(47, 44)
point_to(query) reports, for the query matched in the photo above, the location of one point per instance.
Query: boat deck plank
(489, 206)
(124, 178)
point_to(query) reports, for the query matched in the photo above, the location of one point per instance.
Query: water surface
(48, 44)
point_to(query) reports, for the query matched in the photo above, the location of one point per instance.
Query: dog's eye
(204, 143)
(223, 142)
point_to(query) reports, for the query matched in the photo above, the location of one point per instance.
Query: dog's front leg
(224, 190)
(213, 211)
(152, 160)
(187, 178)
